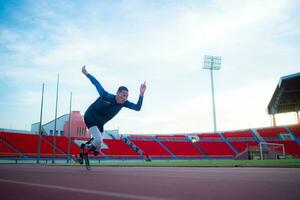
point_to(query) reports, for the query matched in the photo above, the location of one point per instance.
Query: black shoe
(81, 153)
(93, 149)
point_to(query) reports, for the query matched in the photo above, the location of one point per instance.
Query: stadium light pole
(40, 127)
(212, 63)
(54, 131)
(69, 129)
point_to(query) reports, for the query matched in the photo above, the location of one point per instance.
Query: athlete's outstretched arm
(98, 86)
(139, 104)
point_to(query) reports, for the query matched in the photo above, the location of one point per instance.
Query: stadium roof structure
(286, 97)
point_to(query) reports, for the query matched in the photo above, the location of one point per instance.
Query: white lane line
(97, 192)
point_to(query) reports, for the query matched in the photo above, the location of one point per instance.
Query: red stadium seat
(152, 149)
(238, 135)
(216, 149)
(295, 129)
(119, 149)
(183, 149)
(271, 133)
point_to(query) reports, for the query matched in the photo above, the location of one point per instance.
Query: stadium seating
(295, 129)
(152, 149)
(242, 146)
(28, 144)
(271, 133)
(290, 147)
(209, 136)
(6, 151)
(171, 137)
(215, 148)
(119, 149)
(238, 135)
(140, 137)
(62, 144)
(208, 145)
(183, 149)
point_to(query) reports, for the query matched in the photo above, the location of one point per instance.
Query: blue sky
(162, 42)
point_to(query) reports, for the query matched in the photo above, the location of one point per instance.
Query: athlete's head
(122, 95)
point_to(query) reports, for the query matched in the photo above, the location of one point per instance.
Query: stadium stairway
(228, 143)
(256, 135)
(59, 149)
(199, 149)
(13, 147)
(134, 147)
(103, 154)
(55, 147)
(161, 144)
(297, 140)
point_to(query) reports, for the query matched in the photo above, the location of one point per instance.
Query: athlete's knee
(94, 131)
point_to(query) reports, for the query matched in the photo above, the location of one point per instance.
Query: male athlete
(105, 108)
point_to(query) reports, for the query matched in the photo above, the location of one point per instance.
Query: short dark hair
(122, 88)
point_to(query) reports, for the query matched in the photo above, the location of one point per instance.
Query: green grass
(207, 163)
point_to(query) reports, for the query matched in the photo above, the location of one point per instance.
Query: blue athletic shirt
(105, 107)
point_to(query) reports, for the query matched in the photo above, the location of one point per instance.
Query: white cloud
(128, 43)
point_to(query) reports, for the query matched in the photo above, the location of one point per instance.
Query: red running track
(26, 181)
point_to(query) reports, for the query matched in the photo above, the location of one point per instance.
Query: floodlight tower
(212, 63)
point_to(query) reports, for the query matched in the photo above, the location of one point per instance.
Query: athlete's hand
(143, 88)
(84, 70)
